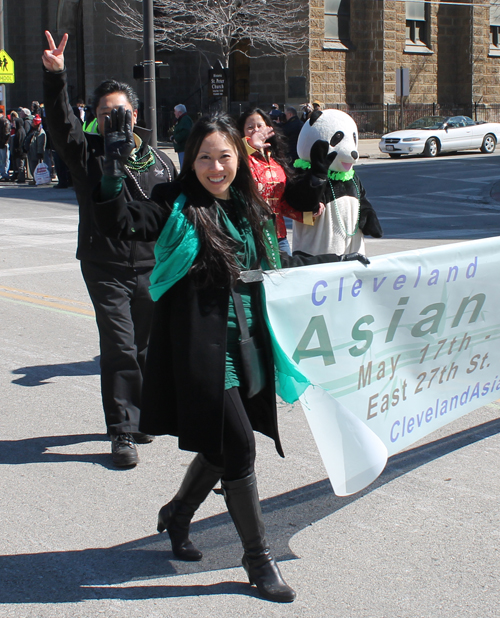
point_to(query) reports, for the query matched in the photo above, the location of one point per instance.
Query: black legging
(238, 440)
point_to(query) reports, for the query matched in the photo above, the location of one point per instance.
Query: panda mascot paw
(321, 159)
(369, 223)
(351, 257)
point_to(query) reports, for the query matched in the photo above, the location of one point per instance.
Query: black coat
(291, 130)
(18, 139)
(184, 379)
(83, 153)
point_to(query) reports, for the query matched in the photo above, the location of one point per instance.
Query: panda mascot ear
(314, 116)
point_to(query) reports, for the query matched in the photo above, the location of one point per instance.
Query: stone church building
(356, 49)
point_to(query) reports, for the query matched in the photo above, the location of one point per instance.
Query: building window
(417, 26)
(494, 36)
(494, 28)
(337, 17)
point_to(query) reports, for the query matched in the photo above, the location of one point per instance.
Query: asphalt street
(78, 537)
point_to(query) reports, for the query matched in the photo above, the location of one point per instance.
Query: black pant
(124, 309)
(62, 171)
(238, 440)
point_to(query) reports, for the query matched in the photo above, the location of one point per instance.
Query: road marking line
(29, 270)
(44, 300)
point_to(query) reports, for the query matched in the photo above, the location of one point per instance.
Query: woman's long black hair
(277, 143)
(216, 262)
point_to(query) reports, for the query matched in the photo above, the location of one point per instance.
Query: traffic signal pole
(149, 70)
(2, 46)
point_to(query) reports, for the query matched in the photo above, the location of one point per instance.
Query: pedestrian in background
(182, 129)
(4, 147)
(18, 155)
(27, 118)
(116, 272)
(79, 110)
(291, 129)
(36, 108)
(306, 111)
(35, 141)
(275, 113)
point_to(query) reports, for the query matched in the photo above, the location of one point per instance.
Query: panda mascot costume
(328, 149)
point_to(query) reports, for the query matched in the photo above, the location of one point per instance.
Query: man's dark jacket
(291, 130)
(83, 153)
(181, 132)
(4, 131)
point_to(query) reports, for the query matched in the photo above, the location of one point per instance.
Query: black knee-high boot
(242, 500)
(176, 516)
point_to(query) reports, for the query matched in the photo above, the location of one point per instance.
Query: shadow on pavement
(62, 577)
(37, 375)
(38, 194)
(35, 450)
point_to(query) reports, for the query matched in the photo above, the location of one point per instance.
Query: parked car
(432, 135)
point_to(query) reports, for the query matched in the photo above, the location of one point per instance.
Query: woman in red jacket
(269, 167)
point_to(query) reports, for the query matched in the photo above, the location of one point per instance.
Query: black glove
(369, 224)
(118, 141)
(350, 257)
(320, 159)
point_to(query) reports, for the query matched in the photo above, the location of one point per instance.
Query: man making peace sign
(116, 272)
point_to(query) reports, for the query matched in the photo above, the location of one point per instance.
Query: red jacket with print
(271, 181)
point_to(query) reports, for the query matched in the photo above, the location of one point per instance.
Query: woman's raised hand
(258, 139)
(53, 58)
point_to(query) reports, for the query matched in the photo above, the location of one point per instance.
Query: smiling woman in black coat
(210, 226)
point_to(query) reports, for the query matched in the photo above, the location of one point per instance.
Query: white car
(432, 135)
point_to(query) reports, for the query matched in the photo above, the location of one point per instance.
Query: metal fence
(375, 120)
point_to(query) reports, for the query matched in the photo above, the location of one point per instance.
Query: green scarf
(178, 245)
(177, 248)
(332, 174)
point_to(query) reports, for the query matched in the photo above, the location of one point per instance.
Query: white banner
(399, 348)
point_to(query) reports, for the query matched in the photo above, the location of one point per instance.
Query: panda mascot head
(336, 128)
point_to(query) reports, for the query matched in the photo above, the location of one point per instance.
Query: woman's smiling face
(216, 165)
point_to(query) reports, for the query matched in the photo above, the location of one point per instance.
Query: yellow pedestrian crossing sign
(6, 68)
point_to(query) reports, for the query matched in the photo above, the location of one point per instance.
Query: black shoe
(124, 451)
(142, 438)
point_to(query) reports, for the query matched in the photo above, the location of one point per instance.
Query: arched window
(417, 23)
(337, 17)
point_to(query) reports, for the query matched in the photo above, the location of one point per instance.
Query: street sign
(402, 82)
(218, 82)
(6, 68)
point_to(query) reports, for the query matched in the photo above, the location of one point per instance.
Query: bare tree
(266, 27)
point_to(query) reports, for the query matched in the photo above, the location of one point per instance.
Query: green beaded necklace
(142, 164)
(341, 225)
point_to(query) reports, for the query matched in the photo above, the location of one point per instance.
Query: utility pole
(149, 70)
(2, 46)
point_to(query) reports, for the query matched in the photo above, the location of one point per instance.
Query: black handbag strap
(240, 315)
